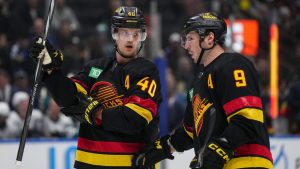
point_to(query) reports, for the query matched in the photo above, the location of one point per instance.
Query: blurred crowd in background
(81, 29)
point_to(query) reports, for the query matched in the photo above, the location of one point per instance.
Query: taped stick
(34, 93)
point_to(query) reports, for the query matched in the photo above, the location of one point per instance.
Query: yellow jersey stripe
(249, 113)
(103, 159)
(188, 132)
(247, 162)
(80, 89)
(146, 114)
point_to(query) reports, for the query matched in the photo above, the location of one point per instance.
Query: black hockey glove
(53, 58)
(85, 110)
(217, 153)
(153, 153)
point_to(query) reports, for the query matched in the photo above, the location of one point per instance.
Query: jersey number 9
(239, 76)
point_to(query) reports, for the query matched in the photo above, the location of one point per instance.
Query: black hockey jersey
(229, 84)
(130, 94)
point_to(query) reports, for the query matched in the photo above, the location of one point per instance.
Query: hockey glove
(153, 153)
(53, 58)
(86, 110)
(217, 153)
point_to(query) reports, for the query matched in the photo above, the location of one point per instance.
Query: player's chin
(129, 55)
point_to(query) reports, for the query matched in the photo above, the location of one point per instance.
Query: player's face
(128, 41)
(192, 45)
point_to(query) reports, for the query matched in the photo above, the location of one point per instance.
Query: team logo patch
(95, 72)
(106, 94)
(200, 106)
(209, 16)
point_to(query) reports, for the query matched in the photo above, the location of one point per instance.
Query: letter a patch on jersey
(95, 72)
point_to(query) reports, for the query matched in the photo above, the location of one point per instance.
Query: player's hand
(153, 153)
(87, 110)
(53, 58)
(217, 153)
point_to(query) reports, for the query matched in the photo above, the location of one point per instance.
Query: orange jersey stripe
(108, 147)
(242, 102)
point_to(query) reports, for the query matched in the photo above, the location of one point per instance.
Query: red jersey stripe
(242, 102)
(253, 149)
(108, 147)
(80, 82)
(188, 127)
(145, 103)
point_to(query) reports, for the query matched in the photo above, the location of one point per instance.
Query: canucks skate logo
(200, 106)
(106, 94)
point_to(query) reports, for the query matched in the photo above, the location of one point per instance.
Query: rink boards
(60, 154)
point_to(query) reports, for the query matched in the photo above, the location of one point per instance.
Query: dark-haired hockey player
(116, 100)
(227, 84)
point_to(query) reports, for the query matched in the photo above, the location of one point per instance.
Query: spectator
(4, 16)
(5, 131)
(5, 62)
(293, 101)
(62, 13)
(16, 118)
(174, 51)
(24, 15)
(176, 102)
(19, 55)
(5, 86)
(38, 27)
(21, 82)
(185, 71)
(55, 124)
(101, 45)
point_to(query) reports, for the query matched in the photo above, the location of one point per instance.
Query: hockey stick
(37, 78)
(197, 162)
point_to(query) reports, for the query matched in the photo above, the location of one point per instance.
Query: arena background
(265, 31)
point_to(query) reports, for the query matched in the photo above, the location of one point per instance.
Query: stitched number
(152, 88)
(127, 82)
(144, 83)
(239, 76)
(209, 82)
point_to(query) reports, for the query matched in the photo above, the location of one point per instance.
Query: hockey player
(227, 85)
(116, 100)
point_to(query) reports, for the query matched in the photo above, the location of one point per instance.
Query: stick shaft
(199, 153)
(34, 93)
(212, 122)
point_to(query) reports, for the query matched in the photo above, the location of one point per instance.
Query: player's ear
(210, 38)
(114, 36)
(114, 32)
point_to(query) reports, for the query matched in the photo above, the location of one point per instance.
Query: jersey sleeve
(140, 103)
(84, 79)
(62, 89)
(237, 88)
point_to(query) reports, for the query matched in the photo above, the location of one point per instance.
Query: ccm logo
(221, 152)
